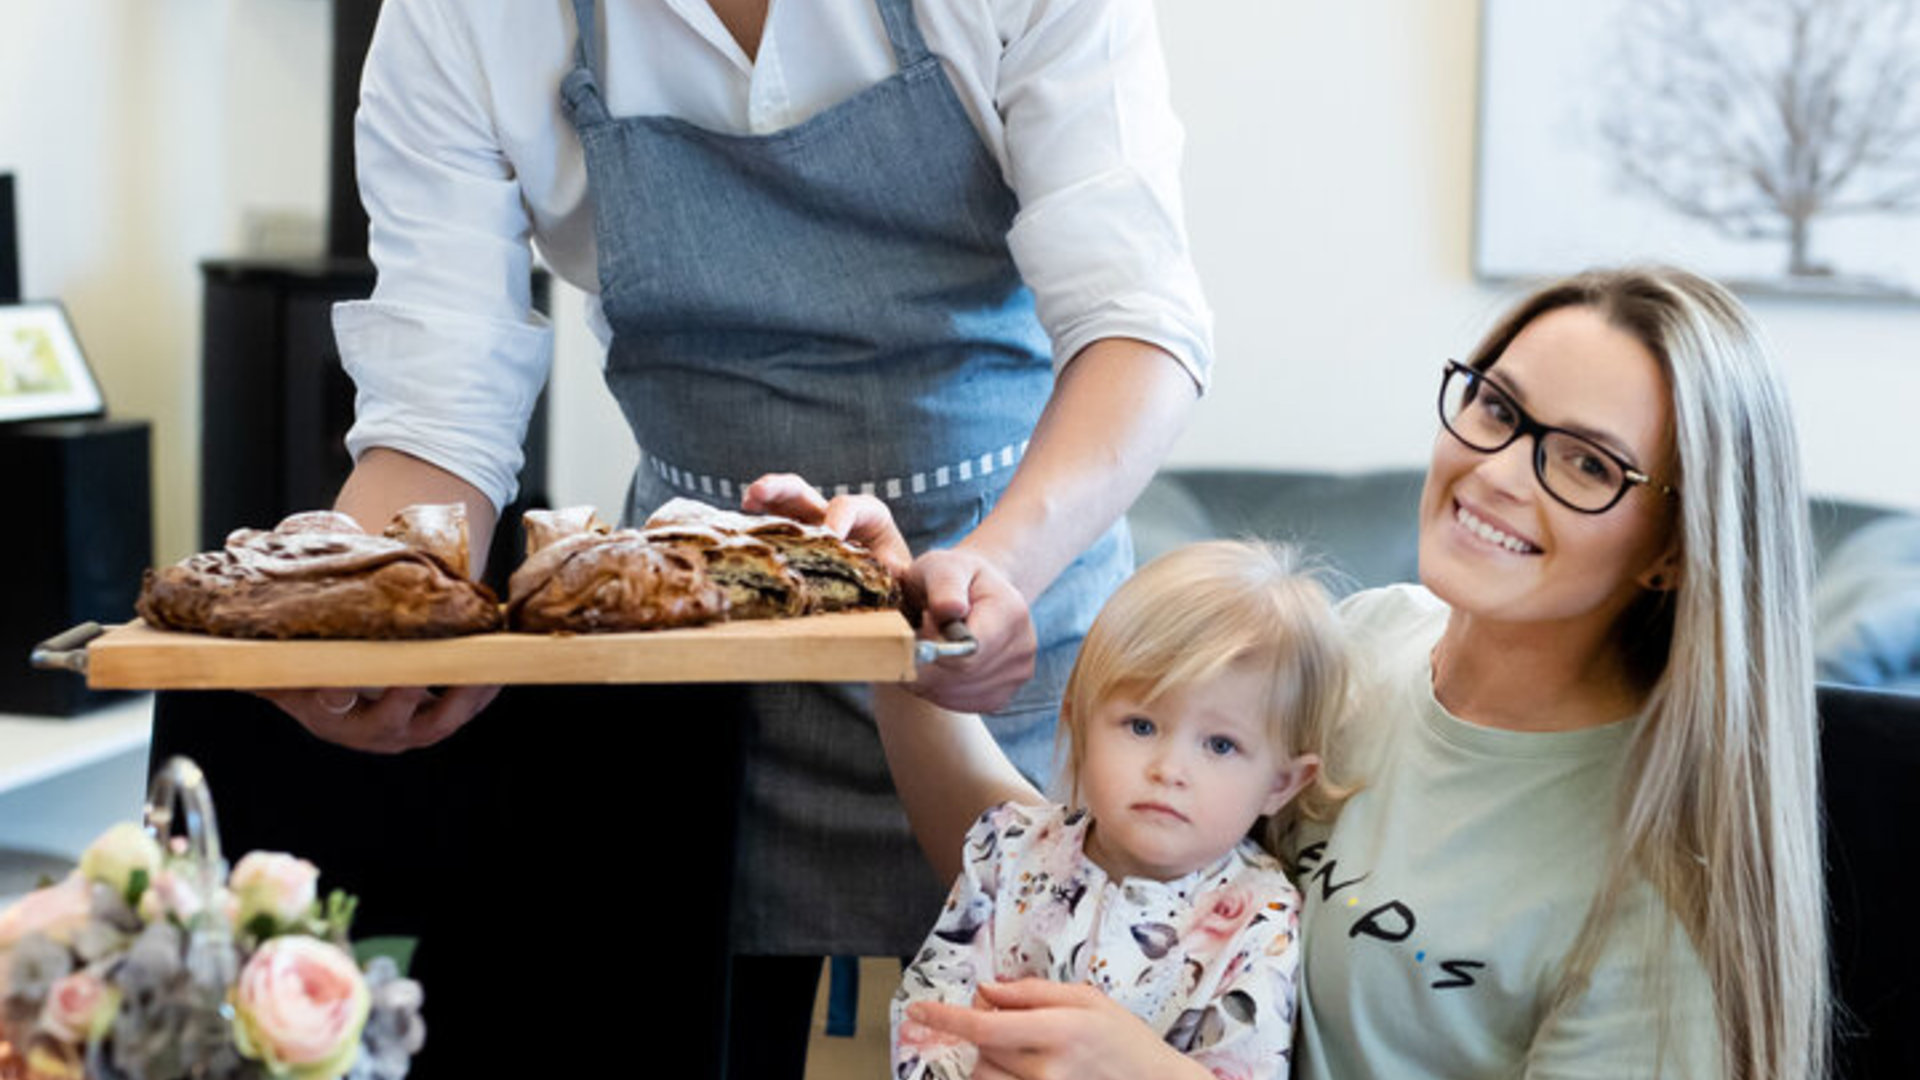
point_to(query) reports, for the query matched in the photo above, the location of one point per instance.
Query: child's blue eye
(1222, 746)
(1140, 726)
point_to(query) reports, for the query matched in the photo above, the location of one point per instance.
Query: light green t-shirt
(1442, 901)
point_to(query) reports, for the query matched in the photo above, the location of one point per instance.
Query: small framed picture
(43, 373)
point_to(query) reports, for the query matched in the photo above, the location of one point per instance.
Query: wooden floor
(864, 1056)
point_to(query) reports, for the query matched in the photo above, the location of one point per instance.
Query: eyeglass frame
(1527, 425)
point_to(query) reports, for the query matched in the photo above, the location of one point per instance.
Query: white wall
(1330, 179)
(142, 133)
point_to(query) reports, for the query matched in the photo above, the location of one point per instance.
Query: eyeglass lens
(1573, 469)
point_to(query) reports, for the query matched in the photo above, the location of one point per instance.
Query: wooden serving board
(866, 646)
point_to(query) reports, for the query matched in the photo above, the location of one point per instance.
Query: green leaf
(137, 883)
(261, 926)
(341, 906)
(396, 948)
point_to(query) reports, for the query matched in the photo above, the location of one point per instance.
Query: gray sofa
(1362, 528)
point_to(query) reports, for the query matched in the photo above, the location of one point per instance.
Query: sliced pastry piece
(587, 582)
(318, 575)
(758, 581)
(840, 575)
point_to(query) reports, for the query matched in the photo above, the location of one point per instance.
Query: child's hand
(1033, 1029)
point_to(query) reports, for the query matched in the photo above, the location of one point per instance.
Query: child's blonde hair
(1190, 614)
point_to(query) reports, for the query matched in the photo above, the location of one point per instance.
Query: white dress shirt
(464, 156)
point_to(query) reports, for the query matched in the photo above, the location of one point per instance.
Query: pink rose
(79, 1007)
(300, 1005)
(276, 885)
(1219, 915)
(56, 911)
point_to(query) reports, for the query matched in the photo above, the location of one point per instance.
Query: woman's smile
(1492, 531)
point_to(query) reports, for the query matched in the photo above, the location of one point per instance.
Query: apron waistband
(892, 488)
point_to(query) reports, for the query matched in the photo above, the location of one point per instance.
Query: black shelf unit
(276, 404)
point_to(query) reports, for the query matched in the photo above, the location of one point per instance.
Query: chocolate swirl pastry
(837, 574)
(758, 581)
(580, 576)
(319, 575)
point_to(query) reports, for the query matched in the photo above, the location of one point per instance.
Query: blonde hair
(1719, 810)
(1190, 614)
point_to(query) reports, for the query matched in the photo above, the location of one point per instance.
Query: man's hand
(861, 518)
(383, 721)
(953, 585)
(957, 585)
(392, 720)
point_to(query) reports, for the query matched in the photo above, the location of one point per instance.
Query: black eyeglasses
(1579, 473)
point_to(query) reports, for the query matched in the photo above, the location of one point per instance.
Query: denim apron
(837, 300)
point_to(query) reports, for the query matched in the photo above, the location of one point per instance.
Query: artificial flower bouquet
(149, 962)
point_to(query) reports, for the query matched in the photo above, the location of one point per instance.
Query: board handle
(67, 650)
(959, 642)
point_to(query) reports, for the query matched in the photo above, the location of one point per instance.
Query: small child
(1191, 724)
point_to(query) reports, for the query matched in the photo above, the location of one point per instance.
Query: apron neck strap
(586, 51)
(903, 31)
(580, 90)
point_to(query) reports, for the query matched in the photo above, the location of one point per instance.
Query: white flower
(279, 886)
(118, 853)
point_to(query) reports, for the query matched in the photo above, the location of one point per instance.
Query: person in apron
(835, 299)
(916, 372)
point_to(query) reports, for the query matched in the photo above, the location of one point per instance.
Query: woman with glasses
(1584, 839)
(1587, 841)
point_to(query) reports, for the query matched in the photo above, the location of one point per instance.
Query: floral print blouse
(1207, 960)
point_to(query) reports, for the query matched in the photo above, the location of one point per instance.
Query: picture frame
(43, 372)
(1683, 131)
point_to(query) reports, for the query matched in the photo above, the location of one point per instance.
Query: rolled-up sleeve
(451, 389)
(1093, 153)
(447, 357)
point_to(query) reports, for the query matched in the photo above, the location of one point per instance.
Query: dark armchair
(1870, 778)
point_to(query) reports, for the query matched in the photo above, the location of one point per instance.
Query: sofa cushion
(1361, 526)
(1866, 607)
(1165, 516)
(1364, 527)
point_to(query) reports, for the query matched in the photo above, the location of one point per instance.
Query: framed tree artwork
(1773, 144)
